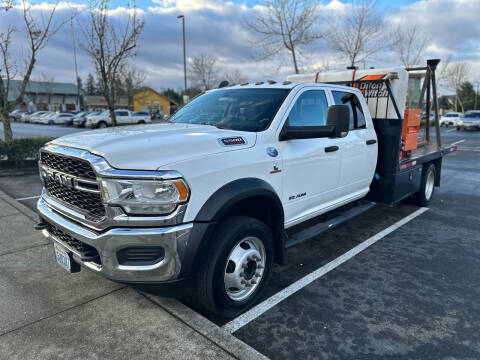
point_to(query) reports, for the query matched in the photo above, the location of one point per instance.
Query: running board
(318, 228)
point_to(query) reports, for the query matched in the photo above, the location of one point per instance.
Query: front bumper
(469, 126)
(174, 240)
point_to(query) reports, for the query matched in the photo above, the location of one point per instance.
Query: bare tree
(285, 26)
(204, 71)
(454, 74)
(358, 34)
(6, 5)
(235, 76)
(132, 80)
(110, 42)
(409, 43)
(38, 29)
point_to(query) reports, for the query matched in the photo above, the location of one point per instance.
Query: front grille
(91, 203)
(72, 166)
(88, 203)
(86, 251)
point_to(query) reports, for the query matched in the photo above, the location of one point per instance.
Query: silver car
(469, 121)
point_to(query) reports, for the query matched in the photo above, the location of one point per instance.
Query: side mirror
(338, 116)
(306, 132)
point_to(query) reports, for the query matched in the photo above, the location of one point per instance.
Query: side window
(121, 113)
(310, 109)
(357, 119)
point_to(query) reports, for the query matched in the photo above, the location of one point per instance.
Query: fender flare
(231, 193)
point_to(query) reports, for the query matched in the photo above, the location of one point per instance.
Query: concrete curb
(20, 207)
(214, 333)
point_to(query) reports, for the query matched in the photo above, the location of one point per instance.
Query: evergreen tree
(466, 96)
(90, 90)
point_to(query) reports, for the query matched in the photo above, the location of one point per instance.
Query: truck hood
(148, 147)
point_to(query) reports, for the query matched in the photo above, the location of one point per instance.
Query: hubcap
(244, 268)
(429, 184)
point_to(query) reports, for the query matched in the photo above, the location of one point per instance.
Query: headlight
(145, 197)
(460, 122)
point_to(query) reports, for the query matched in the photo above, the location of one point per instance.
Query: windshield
(472, 115)
(236, 109)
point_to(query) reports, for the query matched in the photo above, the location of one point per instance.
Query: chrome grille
(86, 202)
(76, 167)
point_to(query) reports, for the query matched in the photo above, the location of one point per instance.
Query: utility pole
(76, 68)
(184, 52)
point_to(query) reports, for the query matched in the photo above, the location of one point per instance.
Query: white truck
(123, 117)
(203, 206)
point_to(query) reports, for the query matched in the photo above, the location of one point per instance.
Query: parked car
(57, 118)
(206, 203)
(25, 116)
(15, 115)
(80, 119)
(124, 117)
(28, 118)
(36, 119)
(450, 119)
(469, 121)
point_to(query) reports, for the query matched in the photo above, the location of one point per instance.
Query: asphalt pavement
(24, 130)
(413, 294)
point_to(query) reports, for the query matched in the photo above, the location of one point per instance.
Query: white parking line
(267, 304)
(28, 198)
(450, 130)
(458, 142)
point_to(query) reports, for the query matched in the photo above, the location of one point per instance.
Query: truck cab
(201, 206)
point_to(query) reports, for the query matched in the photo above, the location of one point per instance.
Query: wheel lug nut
(242, 274)
(243, 282)
(244, 266)
(260, 267)
(253, 281)
(257, 275)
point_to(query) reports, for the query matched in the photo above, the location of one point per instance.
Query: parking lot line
(267, 304)
(450, 130)
(28, 198)
(458, 142)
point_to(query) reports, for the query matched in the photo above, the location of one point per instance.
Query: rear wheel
(51, 122)
(458, 128)
(427, 187)
(102, 125)
(141, 122)
(234, 277)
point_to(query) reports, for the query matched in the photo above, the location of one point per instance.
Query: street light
(184, 53)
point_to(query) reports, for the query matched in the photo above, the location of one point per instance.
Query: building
(97, 102)
(52, 96)
(147, 99)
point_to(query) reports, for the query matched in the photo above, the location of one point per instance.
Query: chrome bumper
(173, 239)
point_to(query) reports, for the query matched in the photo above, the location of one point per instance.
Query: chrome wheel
(429, 185)
(244, 268)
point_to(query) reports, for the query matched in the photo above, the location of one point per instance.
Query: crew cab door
(359, 147)
(311, 167)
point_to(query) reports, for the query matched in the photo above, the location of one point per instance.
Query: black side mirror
(306, 132)
(339, 117)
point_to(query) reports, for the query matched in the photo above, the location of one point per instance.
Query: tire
(238, 240)
(102, 125)
(458, 129)
(141, 122)
(51, 122)
(427, 186)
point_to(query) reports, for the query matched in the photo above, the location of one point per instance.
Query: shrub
(19, 150)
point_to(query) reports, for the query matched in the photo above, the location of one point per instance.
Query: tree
(90, 86)
(443, 103)
(409, 43)
(38, 30)
(172, 94)
(133, 80)
(466, 96)
(235, 76)
(452, 75)
(110, 43)
(358, 34)
(204, 71)
(285, 26)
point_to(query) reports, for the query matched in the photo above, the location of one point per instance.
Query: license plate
(63, 258)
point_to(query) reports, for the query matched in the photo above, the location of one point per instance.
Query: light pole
(184, 53)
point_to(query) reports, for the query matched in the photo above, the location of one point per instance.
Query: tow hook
(41, 225)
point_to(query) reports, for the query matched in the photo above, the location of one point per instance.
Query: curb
(237, 348)
(20, 207)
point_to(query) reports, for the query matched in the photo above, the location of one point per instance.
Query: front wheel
(102, 125)
(427, 186)
(233, 278)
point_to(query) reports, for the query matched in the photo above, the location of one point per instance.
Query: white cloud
(218, 28)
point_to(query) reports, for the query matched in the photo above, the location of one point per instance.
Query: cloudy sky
(218, 28)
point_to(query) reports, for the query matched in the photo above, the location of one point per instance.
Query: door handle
(331, 148)
(371, 142)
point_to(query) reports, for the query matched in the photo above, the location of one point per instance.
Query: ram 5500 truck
(203, 205)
